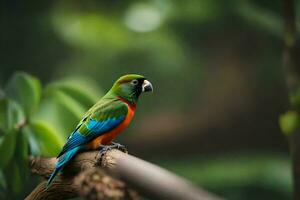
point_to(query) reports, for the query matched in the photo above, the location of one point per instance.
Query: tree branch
(292, 68)
(149, 179)
(289, 39)
(59, 190)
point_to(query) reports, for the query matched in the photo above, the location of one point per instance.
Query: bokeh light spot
(143, 18)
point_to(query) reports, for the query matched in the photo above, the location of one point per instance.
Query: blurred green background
(216, 67)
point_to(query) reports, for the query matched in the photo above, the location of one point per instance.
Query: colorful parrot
(105, 120)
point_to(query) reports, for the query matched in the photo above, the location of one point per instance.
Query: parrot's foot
(105, 148)
(119, 147)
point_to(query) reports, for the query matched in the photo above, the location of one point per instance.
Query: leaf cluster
(36, 120)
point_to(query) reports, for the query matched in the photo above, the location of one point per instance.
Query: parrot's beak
(147, 86)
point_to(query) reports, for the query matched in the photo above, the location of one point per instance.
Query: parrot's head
(129, 87)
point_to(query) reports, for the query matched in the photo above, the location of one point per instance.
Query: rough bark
(84, 176)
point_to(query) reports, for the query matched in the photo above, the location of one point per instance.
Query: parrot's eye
(134, 82)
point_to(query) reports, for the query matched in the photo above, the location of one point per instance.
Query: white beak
(147, 86)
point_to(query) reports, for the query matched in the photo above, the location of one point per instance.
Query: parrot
(104, 120)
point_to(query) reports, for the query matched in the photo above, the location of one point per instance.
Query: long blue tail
(62, 161)
(53, 175)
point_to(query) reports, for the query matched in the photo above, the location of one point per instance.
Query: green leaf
(289, 122)
(13, 115)
(69, 103)
(33, 142)
(3, 114)
(12, 173)
(26, 90)
(62, 111)
(10, 114)
(16, 171)
(16, 179)
(21, 153)
(44, 138)
(3, 183)
(295, 98)
(7, 149)
(82, 90)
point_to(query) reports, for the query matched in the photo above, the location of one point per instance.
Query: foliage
(35, 121)
(289, 122)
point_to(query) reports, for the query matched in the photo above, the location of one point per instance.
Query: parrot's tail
(62, 161)
(53, 175)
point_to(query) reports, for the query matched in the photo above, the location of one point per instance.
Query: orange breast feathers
(106, 138)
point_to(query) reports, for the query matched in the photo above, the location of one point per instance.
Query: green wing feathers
(101, 118)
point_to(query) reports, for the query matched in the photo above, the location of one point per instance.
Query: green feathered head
(130, 86)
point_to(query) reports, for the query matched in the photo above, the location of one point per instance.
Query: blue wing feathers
(76, 140)
(101, 127)
(67, 157)
(96, 128)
